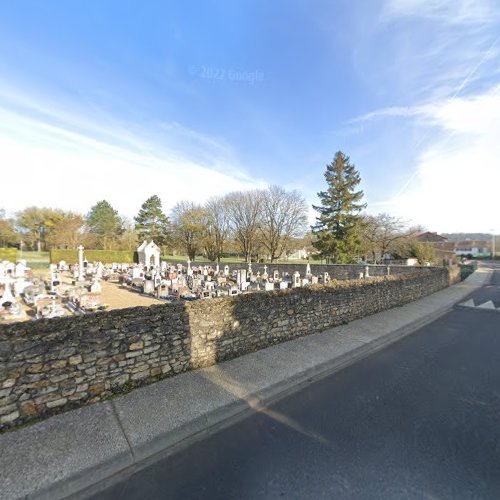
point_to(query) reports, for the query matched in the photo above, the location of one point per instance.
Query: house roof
(447, 246)
(152, 244)
(471, 244)
(429, 237)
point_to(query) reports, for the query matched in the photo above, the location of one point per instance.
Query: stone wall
(336, 271)
(48, 366)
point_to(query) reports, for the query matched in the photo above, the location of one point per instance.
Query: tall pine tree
(338, 225)
(151, 223)
(104, 222)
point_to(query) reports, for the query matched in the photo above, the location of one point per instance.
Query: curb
(101, 471)
(223, 417)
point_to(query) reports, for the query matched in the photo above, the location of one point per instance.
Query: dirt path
(119, 298)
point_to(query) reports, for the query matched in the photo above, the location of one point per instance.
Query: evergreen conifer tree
(104, 223)
(338, 226)
(151, 223)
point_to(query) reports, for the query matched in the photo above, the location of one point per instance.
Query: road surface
(420, 419)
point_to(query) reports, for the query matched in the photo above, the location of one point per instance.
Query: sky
(120, 100)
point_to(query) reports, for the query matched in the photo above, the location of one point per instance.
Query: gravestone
(308, 270)
(149, 287)
(95, 287)
(296, 279)
(81, 270)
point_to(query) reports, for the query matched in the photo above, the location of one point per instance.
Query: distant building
(472, 248)
(299, 254)
(149, 254)
(429, 237)
(444, 249)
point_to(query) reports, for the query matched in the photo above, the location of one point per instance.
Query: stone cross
(308, 269)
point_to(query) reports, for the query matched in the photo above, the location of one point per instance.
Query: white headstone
(20, 270)
(296, 279)
(99, 270)
(81, 270)
(7, 294)
(149, 287)
(95, 287)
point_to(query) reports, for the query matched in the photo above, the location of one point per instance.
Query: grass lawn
(35, 260)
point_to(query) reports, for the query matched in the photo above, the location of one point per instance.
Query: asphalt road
(420, 419)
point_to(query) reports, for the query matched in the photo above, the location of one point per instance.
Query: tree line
(269, 223)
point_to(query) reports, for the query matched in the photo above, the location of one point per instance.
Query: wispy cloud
(391, 111)
(456, 180)
(447, 11)
(68, 160)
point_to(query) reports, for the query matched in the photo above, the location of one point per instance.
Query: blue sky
(124, 99)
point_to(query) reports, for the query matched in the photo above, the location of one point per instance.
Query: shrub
(105, 256)
(8, 254)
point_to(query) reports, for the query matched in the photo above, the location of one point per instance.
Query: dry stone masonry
(52, 365)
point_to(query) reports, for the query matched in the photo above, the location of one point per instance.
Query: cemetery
(52, 365)
(84, 287)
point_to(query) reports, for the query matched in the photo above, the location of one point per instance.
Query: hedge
(105, 256)
(8, 254)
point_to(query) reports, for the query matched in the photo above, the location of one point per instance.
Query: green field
(41, 260)
(35, 260)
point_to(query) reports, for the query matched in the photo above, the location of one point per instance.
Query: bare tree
(303, 243)
(64, 230)
(188, 223)
(383, 233)
(217, 226)
(284, 216)
(244, 208)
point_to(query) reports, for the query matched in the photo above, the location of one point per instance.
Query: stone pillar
(81, 274)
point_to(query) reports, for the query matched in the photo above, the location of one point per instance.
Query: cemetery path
(418, 419)
(119, 298)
